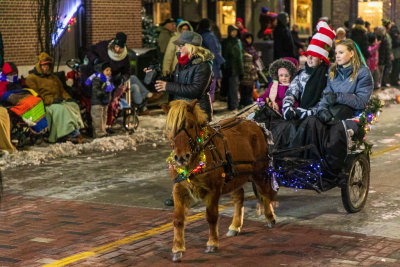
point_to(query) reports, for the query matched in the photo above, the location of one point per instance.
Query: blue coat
(211, 42)
(354, 94)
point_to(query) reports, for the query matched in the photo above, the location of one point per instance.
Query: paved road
(106, 210)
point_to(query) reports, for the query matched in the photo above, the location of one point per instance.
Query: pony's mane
(184, 114)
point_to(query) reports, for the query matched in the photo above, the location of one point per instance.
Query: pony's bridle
(194, 148)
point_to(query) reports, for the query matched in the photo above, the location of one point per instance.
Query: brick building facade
(103, 20)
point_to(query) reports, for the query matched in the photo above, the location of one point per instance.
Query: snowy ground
(150, 131)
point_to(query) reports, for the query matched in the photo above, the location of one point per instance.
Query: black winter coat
(193, 81)
(100, 51)
(283, 42)
(359, 35)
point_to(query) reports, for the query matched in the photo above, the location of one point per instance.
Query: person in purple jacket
(282, 72)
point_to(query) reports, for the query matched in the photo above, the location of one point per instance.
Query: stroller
(125, 109)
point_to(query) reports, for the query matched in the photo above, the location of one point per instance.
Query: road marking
(383, 151)
(157, 230)
(124, 241)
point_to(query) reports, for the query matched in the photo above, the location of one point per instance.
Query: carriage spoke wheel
(355, 191)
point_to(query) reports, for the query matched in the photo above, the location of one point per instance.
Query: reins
(227, 163)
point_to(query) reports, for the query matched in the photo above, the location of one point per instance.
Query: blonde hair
(194, 50)
(355, 60)
(185, 114)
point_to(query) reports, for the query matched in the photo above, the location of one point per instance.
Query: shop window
(161, 12)
(226, 15)
(372, 12)
(302, 16)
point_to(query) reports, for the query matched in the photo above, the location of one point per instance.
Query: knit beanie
(321, 42)
(9, 67)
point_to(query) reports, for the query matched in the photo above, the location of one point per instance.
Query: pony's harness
(219, 161)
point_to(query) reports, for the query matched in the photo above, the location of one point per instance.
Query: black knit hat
(120, 39)
(105, 65)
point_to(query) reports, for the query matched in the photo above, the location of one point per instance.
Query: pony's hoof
(232, 233)
(177, 257)
(270, 224)
(211, 249)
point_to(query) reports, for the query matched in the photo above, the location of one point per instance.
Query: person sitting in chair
(62, 113)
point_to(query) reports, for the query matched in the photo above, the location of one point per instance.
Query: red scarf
(183, 60)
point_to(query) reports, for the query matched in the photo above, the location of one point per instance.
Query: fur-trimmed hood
(208, 56)
(282, 63)
(43, 57)
(359, 27)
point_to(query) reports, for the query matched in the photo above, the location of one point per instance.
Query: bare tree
(46, 17)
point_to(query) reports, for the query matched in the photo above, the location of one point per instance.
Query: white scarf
(114, 56)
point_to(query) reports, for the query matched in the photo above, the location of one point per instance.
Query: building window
(302, 10)
(161, 12)
(371, 11)
(226, 15)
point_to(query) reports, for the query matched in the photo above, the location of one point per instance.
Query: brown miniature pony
(209, 161)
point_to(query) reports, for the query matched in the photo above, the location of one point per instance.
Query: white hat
(321, 42)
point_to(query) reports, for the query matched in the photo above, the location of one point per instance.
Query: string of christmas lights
(183, 173)
(305, 175)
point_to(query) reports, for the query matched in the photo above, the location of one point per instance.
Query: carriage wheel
(355, 191)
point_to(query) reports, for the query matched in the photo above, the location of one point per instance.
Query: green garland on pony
(183, 173)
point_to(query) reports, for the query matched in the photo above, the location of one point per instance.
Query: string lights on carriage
(300, 176)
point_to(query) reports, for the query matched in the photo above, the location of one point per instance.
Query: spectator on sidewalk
(242, 29)
(359, 35)
(24, 103)
(101, 85)
(298, 44)
(5, 131)
(62, 113)
(193, 73)
(167, 29)
(115, 53)
(210, 42)
(372, 60)
(384, 59)
(395, 36)
(170, 58)
(283, 41)
(233, 67)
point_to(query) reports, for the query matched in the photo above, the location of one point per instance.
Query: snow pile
(388, 94)
(151, 130)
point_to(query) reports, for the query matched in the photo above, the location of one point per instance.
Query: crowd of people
(197, 64)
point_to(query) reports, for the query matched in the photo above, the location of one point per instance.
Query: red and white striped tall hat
(321, 42)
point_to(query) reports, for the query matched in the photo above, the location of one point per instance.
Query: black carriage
(299, 173)
(296, 166)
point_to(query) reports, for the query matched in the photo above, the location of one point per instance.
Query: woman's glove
(289, 114)
(325, 115)
(301, 113)
(331, 98)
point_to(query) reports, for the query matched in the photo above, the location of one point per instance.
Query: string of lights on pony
(183, 173)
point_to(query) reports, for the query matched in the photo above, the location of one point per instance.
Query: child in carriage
(282, 72)
(306, 89)
(101, 96)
